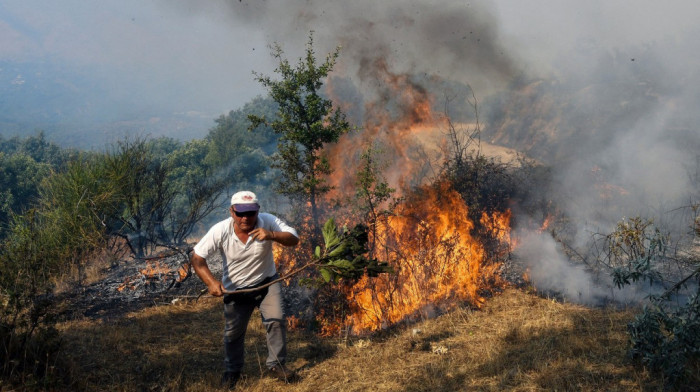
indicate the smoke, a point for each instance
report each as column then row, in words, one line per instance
column 397, row 59
column 598, row 92
column 622, row 141
column 452, row 40
column 552, row 273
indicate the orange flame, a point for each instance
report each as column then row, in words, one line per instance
column 155, row 270
column 546, row 223
column 401, row 123
column 435, row 259
column 428, row 240
column 606, row 190
column 498, row 224
column 126, row 285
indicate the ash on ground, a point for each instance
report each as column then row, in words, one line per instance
column 133, row 284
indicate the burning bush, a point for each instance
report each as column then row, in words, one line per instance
column 435, row 260
column 443, row 238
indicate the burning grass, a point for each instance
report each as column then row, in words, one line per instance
column 516, row 341
column 435, row 260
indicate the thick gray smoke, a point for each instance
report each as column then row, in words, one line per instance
column 450, row 40
column 614, row 116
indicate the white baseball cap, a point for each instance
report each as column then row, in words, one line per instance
column 245, row 201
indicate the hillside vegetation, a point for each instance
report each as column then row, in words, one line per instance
column 444, row 232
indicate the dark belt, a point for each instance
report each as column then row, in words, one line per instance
column 253, row 297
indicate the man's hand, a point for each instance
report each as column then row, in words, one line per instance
column 261, row 234
column 215, row 289
column 202, row 270
column 281, row 237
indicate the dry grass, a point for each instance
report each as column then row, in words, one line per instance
column 90, row 272
column 517, row 342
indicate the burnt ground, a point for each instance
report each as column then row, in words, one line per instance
column 133, row 284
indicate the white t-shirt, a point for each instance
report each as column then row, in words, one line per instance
column 243, row 264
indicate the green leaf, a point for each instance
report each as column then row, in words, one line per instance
column 343, row 264
column 326, row 274
column 337, row 251
column 330, row 233
column 317, row 252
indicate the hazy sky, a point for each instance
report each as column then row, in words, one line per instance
column 192, row 55
column 186, row 61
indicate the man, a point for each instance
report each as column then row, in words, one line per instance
column 244, row 242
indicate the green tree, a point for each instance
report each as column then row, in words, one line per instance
column 76, row 207
column 164, row 189
column 306, row 122
column 29, row 343
column 64, row 227
column 198, row 188
column 20, row 176
column 140, row 180
column 23, row 164
column 38, row 148
column 372, row 193
column 238, row 154
column 664, row 336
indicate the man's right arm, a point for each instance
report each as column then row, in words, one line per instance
column 202, row 270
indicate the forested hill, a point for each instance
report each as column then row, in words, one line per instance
column 36, row 169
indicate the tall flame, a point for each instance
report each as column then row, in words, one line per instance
column 401, row 122
column 436, row 262
column 428, row 238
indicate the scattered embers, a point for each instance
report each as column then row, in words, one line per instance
column 134, row 283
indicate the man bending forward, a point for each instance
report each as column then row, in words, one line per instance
column 244, row 242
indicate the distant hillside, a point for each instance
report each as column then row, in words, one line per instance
column 77, row 108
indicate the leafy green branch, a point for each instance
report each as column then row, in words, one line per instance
column 344, row 256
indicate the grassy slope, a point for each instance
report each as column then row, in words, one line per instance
column 517, row 341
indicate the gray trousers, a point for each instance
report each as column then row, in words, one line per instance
column 237, row 316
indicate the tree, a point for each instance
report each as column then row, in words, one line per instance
column 197, row 186
column 239, row 154
column 664, row 336
column 38, row 148
column 29, row 343
column 20, row 176
column 372, row 192
column 59, row 232
column 24, row 162
column 164, row 189
column 140, row 180
column 306, row 123
column 76, row 209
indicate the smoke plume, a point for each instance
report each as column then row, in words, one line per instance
column 616, row 121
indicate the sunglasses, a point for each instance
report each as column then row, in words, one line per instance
column 246, row 214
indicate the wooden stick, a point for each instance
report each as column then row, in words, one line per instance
column 268, row 284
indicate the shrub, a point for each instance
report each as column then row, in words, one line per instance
column 29, row 343
column 665, row 335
